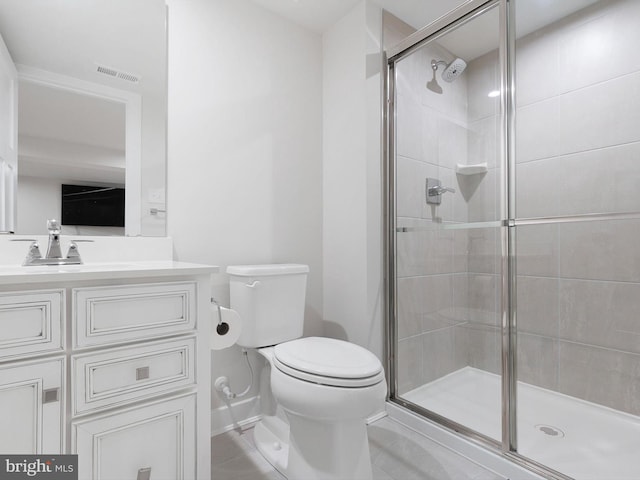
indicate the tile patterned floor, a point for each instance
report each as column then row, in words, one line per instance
column 397, row 453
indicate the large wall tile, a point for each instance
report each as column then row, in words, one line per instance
column 538, row 360
column 538, row 305
column 409, row 360
column 410, row 306
column 600, row 313
column 536, row 66
column 483, row 77
column 483, row 204
column 426, row 303
column 538, row 250
column 484, row 299
column 408, row 127
column 597, row 181
column 483, row 141
column 599, row 116
column 441, row 356
column 482, row 345
column 538, row 188
column 600, row 250
column 452, row 143
column 429, row 136
column 602, row 47
column 484, row 250
column 538, row 132
column 410, row 186
column 410, row 245
column 427, row 248
column 600, row 375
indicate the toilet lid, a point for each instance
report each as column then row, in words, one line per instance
column 329, row 362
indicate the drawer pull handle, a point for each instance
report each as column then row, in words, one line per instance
column 142, row 373
column 144, row 474
column 51, row 395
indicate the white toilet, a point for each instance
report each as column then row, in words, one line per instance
column 327, row 388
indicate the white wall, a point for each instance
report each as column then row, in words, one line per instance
column 245, row 148
column 352, row 178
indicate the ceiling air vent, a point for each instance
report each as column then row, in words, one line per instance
column 112, row 72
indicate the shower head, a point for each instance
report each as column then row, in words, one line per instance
column 449, row 74
column 454, row 70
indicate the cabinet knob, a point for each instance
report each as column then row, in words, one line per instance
column 144, row 474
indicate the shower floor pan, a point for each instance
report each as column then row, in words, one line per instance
column 581, row 439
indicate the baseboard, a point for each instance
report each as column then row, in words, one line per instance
column 244, row 413
column 376, row 416
column 247, row 412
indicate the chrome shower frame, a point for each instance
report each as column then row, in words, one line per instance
column 470, row 10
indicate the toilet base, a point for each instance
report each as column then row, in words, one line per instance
column 338, row 451
column 328, row 451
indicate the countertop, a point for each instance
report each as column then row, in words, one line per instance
column 98, row 271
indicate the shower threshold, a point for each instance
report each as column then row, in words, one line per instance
column 580, row 439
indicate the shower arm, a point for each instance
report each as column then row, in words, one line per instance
column 436, row 63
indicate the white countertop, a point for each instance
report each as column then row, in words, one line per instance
column 98, row 271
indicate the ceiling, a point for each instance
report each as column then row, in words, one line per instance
column 319, row 15
column 476, row 38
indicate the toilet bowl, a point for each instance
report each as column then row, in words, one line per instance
column 324, row 389
column 327, row 410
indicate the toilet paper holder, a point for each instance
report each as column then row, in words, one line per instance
column 223, row 327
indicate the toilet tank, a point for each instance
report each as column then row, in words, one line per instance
column 270, row 300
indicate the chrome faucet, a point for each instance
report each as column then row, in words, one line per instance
column 54, row 252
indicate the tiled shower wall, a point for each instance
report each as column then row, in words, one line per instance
column 577, row 152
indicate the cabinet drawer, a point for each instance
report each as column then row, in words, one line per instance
column 105, row 315
column 31, row 322
column 120, row 375
column 155, row 441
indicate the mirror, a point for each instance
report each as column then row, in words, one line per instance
column 92, row 104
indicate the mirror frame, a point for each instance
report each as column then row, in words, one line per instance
column 133, row 132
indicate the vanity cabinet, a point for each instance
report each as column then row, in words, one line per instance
column 111, row 365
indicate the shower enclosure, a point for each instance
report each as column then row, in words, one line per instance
column 513, row 230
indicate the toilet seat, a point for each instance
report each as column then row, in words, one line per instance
column 327, row 361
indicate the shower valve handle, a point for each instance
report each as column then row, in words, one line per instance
column 439, row 190
column 435, row 190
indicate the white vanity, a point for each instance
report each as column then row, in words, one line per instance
column 109, row 361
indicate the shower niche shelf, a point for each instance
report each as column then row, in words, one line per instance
column 473, row 169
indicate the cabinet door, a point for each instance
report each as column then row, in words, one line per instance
column 155, row 441
column 31, row 408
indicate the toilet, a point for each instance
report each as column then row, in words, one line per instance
column 317, row 392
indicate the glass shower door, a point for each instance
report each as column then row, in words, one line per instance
column 447, row 224
column 578, row 237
